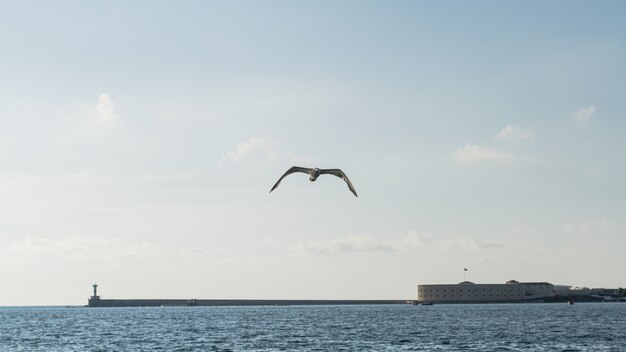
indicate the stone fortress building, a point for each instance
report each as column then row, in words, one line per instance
column 468, row 292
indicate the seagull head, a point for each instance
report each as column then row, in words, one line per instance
column 315, row 173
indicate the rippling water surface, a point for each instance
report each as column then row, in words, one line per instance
column 497, row 327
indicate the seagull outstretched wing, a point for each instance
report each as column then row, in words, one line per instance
column 341, row 175
column 289, row 172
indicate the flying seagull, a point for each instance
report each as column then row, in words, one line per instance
column 315, row 173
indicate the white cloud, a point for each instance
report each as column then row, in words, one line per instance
column 515, row 134
column 473, row 152
column 594, row 171
column 522, row 230
column 89, row 121
column 350, row 243
column 413, row 239
column 583, row 115
column 469, row 243
column 355, row 243
column 104, row 111
column 81, row 176
column 265, row 149
column 76, row 247
column 86, row 248
column 593, row 227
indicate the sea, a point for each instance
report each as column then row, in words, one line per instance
column 458, row 327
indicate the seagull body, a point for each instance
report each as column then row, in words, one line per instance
column 314, row 173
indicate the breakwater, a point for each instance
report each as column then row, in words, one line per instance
column 97, row 302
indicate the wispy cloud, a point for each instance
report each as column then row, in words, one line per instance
column 522, row 230
column 76, row 247
column 265, row 149
column 81, row 176
column 104, row 111
column 398, row 243
column 350, row 243
column 583, row 115
column 594, row 171
column 515, row 134
column 470, row 243
column 592, row 227
column 356, row 243
column 473, row 153
column 89, row 121
column 86, row 248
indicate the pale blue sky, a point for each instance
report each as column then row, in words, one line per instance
column 139, row 141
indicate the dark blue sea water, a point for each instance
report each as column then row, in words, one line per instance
column 488, row 327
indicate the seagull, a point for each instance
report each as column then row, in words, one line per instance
column 314, row 173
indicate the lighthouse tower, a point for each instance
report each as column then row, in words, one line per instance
column 94, row 301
